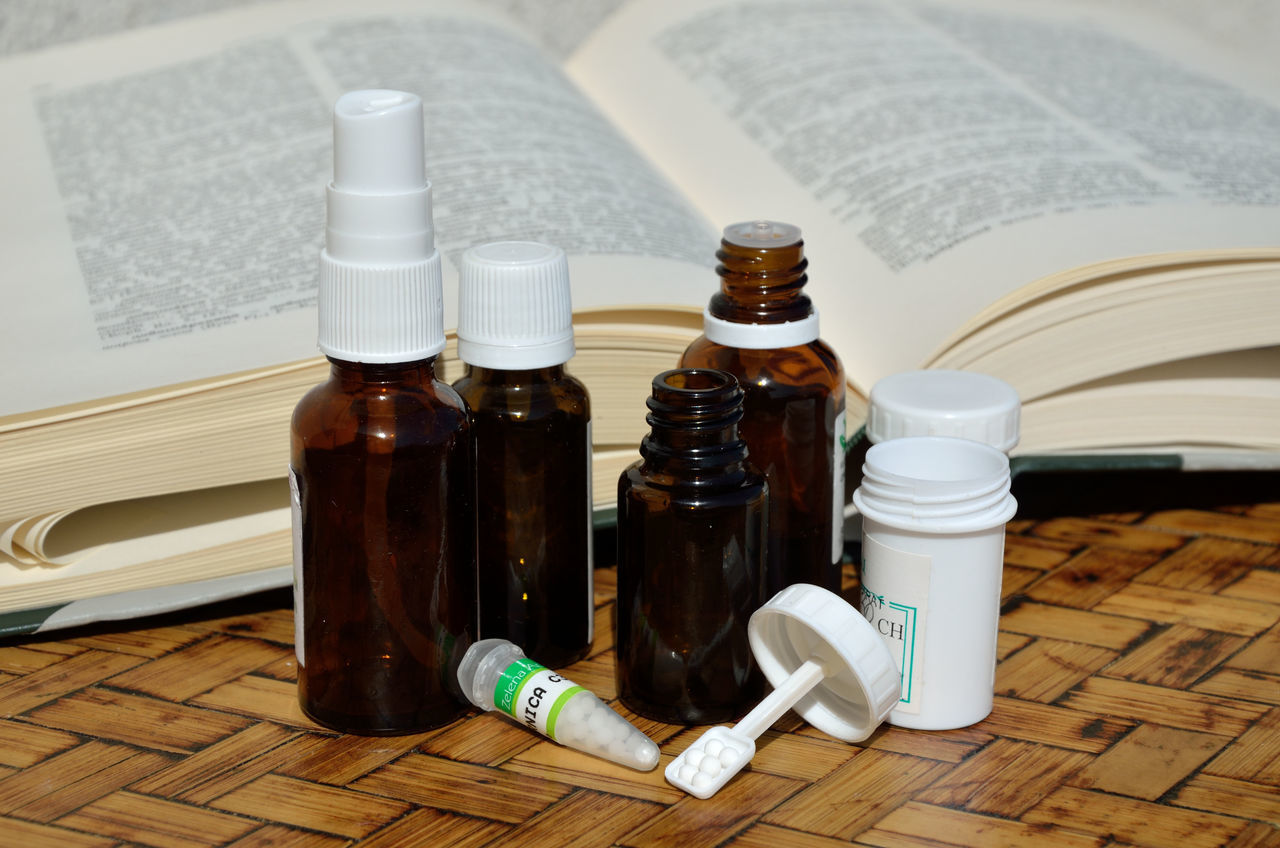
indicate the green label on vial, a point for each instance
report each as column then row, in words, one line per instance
column 511, row 681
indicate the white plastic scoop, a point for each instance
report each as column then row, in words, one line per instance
column 823, row 659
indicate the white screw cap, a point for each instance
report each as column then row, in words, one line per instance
column 514, row 306
column 862, row 683
column 937, row 402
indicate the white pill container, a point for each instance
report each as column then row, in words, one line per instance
column 934, row 510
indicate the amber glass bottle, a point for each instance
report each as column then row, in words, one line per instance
column 381, row 464
column 763, row 329
column 692, row 517
column 384, row 529
column 531, row 427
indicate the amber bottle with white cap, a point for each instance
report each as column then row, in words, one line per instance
column 384, row 555
column 762, row 328
column 531, row 428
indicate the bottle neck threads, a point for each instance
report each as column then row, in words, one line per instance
column 693, row 416
column 388, row 375
column 762, row 275
column 935, row 484
column 761, row 303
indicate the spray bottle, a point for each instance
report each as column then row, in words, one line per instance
column 381, row 470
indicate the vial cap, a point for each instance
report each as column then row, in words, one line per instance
column 762, row 233
column 514, row 306
column 862, row 683
column 937, row 402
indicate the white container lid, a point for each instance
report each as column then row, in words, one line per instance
column 862, row 683
column 936, row 402
column 514, row 306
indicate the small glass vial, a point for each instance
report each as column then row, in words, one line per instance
column 692, row 519
column 933, row 514
column 384, row 555
column 763, row 329
column 531, row 428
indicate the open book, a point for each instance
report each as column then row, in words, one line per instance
column 1086, row 204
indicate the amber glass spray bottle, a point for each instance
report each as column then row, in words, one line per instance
column 531, row 427
column 692, row 515
column 763, row 329
column 384, row 553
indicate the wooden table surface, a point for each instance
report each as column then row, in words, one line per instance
column 1138, row 703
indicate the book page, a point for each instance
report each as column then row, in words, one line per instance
column 941, row 155
column 34, row 24
column 559, row 27
column 1227, row 399
column 164, row 203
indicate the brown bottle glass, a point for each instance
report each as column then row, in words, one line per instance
column 692, row 516
column 794, row 396
column 532, row 443
column 382, row 465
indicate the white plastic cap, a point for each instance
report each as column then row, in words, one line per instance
column 962, row 404
column 514, row 306
column 760, row 336
column 862, row 683
column 380, row 294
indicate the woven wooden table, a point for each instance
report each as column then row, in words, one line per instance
column 1138, row 703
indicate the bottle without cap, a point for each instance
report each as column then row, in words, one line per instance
column 762, row 328
column 692, row 517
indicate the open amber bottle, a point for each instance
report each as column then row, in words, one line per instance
column 762, row 328
column 692, row 516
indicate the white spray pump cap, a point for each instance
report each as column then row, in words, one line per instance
column 381, row 295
